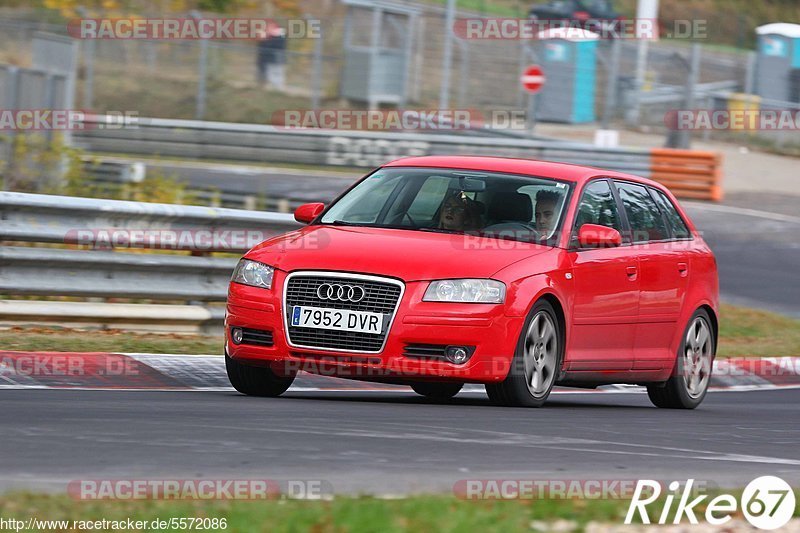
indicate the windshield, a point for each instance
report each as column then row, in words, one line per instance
column 454, row 201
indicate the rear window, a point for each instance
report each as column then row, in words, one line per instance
column 644, row 216
column 676, row 223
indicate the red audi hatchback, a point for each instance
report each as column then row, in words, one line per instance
column 438, row 271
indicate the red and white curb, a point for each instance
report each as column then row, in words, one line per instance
column 136, row 371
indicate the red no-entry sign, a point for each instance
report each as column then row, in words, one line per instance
column 533, row 78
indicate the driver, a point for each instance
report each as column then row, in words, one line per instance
column 459, row 213
column 546, row 204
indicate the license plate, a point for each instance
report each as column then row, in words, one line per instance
column 339, row 319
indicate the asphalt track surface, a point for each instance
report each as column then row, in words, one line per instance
column 396, row 442
column 755, row 241
column 391, row 442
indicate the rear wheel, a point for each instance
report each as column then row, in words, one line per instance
column 437, row 391
column 536, row 363
column 256, row 380
column 689, row 384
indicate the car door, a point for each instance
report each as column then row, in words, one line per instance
column 664, row 271
column 606, row 289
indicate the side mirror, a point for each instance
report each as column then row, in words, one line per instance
column 308, row 212
column 594, row 236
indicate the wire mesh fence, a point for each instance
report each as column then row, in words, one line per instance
column 219, row 80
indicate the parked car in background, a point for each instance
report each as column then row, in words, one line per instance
column 438, row 271
column 581, row 11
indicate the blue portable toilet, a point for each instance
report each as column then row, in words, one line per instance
column 778, row 64
column 568, row 57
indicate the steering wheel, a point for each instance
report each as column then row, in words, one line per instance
column 410, row 219
column 513, row 228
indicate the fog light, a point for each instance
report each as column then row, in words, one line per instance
column 236, row 335
column 457, row 354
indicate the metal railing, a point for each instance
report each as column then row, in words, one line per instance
column 367, row 149
column 250, row 142
column 94, row 232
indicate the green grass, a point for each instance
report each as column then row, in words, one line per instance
column 69, row 340
column 499, row 8
column 750, row 332
column 743, row 332
column 345, row 514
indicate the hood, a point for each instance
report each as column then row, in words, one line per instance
column 405, row 254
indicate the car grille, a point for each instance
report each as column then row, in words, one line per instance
column 379, row 297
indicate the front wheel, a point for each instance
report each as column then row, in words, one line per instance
column 437, row 391
column 536, row 363
column 689, row 384
column 256, row 380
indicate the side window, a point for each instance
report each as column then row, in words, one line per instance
column 676, row 223
column 644, row 217
column 597, row 207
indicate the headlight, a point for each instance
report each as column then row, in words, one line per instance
column 482, row 291
column 253, row 273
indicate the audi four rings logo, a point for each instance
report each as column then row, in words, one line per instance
column 342, row 293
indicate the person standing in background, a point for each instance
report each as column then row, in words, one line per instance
column 271, row 61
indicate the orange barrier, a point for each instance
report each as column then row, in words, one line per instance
column 687, row 173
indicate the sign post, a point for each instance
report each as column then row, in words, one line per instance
column 532, row 81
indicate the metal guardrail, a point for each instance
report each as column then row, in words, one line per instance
column 113, row 178
column 104, row 227
column 259, row 143
column 674, row 94
column 250, row 142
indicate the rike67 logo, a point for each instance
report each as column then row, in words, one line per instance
column 768, row 502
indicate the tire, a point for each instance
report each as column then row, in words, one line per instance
column 256, row 380
column 437, row 391
column 540, row 352
column 688, row 385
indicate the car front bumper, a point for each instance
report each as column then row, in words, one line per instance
column 483, row 327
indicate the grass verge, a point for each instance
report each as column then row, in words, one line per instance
column 750, row 332
column 70, row 340
column 743, row 332
column 352, row 514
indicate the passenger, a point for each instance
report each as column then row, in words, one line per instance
column 546, row 205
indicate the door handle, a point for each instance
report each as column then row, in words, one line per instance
column 683, row 268
column 632, row 271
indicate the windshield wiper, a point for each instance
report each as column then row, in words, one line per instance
column 392, row 226
column 366, row 224
column 438, row 230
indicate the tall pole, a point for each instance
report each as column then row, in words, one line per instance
column 316, row 74
column 610, row 107
column 447, row 60
column 685, row 136
column 200, row 104
column 645, row 10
